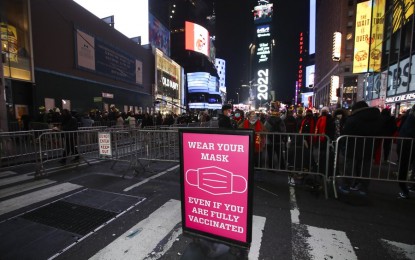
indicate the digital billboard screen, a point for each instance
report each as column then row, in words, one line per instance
column 197, row 38
column 263, row 13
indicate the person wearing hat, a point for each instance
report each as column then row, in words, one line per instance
column 224, row 119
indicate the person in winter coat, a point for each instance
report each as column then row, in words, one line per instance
column 308, row 126
column 406, row 151
column 253, row 122
column 224, row 120
column 69, row 124
column 363, row 121
column 388, row 129
column 324, row 128
column 275, row 142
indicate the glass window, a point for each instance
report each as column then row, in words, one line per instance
column 15, row 39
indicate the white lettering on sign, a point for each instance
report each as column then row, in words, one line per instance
column 169, row 83
column 410, row 96
column 400, row 77
column 262, row 88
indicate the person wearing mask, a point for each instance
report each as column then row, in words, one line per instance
column 253, row 122
column 363, row 121
column 224, row 119
column 406, row 151
column 238, row 117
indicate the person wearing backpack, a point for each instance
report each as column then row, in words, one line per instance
column 275, row 142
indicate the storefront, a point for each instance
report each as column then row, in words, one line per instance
column 169, row 89
column 17, row 63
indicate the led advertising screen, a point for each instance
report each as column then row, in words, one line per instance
column 378, row 22
column 263, row 60
column 216, row 184
column 197, row 38
column 362, row 37
column 159, row 35
column 263, row 13
column 198, row 82
column 309, row 76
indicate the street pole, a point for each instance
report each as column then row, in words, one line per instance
column 3, row 110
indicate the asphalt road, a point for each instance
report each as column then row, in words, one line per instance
column 90, row 212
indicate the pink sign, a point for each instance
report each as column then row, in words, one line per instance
column 215, row 184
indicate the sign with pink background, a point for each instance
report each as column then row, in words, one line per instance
column 215, row 190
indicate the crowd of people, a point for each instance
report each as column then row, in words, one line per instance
column 114, row 117
column 361, row 120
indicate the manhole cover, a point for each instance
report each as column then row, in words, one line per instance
column 70, row 217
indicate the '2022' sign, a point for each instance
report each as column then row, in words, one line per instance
column 262, row 89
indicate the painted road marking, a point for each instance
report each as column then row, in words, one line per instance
column 35, row 197
column 143, row 238
column 15, row 179
column 150, row 178
column 322, row 243
column 24, row 187
column 7, row 173
column 329, row 244
column 258, row 224
column 400, row 248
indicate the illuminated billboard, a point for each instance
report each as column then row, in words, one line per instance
column 159, row 35
column 263, row 12
column 263, row 60
column 402, row 16
column 197, row 38
column 362, row 37
column 309, row 76
column 378, row 24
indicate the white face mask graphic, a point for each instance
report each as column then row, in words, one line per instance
column 216, row 181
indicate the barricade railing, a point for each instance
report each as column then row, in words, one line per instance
column 361, row 159
column 299, row 155
column 19, row 148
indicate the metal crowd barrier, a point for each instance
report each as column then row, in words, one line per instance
column 302, row 156
column 19, row 148
column 365, row 158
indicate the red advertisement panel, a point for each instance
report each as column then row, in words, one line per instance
column 216, row 193
column 197, row 38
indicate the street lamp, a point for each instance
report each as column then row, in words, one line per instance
column 238, row 96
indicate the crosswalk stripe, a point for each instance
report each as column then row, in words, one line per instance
column 258, row 224
column 400, row 248
column 140, row 240
column 36, row 196
column 15, row 179
column 24, row 187
column 7, row 173
column 329, row 244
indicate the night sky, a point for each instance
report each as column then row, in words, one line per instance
column 235, row 31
